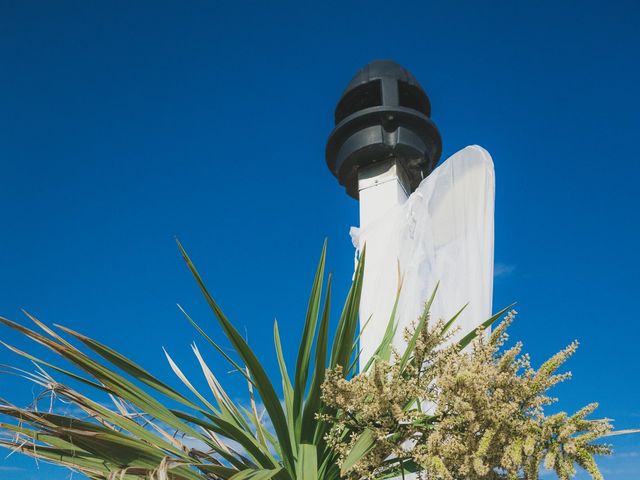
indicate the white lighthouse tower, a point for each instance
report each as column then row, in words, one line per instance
column 423, row 224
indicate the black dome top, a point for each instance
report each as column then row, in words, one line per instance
column 382, row 83
column 379, row 69
column 383, row 114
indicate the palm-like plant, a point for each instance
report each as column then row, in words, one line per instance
column 140, row 436
column 215, row 438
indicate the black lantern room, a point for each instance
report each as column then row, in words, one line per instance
column 384, row 114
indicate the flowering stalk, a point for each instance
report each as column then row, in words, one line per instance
column 451, row 413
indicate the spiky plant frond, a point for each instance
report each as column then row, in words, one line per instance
column 206, row 435
column 152, row 430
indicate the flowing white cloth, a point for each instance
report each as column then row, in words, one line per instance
column 442, row 233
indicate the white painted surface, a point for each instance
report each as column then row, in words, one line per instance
column 443, row 232
column 381, row 187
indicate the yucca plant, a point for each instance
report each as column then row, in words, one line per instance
column 140, row 436
column 152, row 430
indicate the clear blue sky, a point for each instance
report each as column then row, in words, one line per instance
column 125, row 124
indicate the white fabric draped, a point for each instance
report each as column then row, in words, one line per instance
column 442, row 233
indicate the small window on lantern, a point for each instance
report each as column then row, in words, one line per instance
column 363, row 96
column 411, row 96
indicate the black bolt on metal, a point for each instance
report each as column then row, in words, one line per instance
column 383, row 114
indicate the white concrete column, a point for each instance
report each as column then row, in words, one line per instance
column 381, row 186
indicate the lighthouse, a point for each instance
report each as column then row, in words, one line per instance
column 423, row 224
